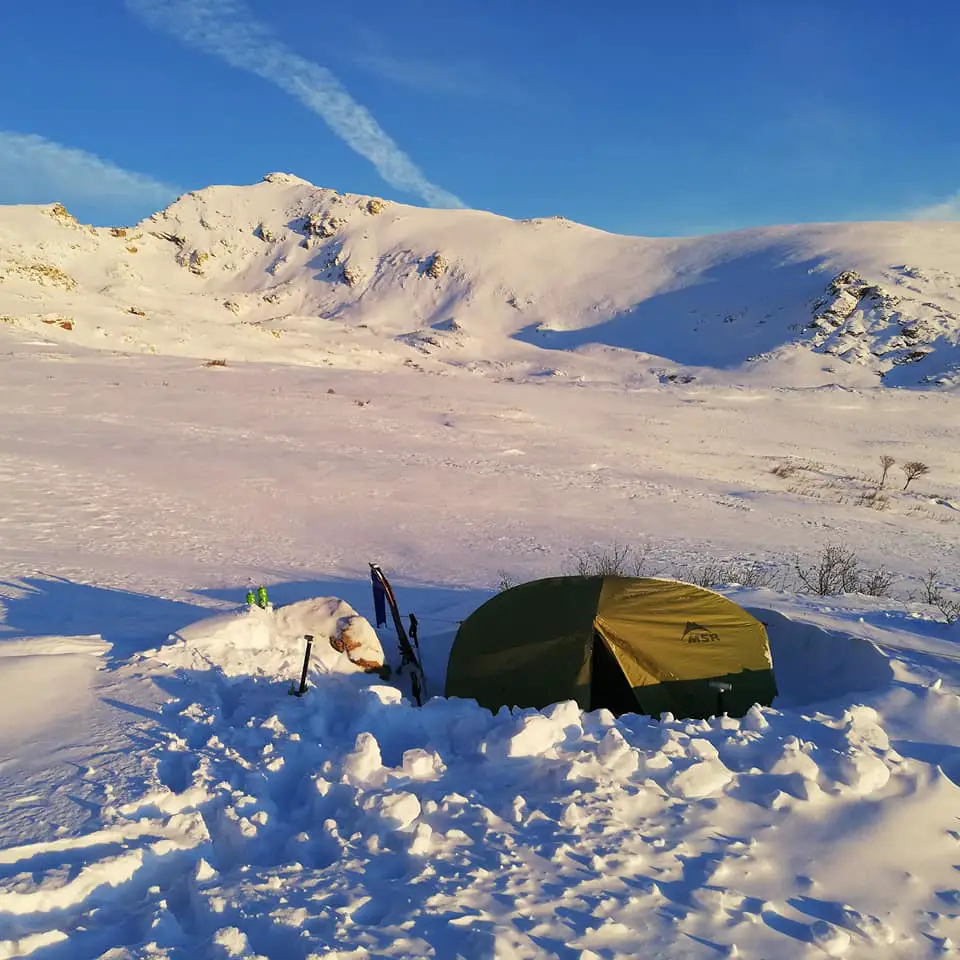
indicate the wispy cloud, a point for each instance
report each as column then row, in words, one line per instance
column 36, row 170
column 226, row 29
column 467, row 80
column 948, row 209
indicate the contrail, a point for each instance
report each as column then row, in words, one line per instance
column 226, row 29
column 36, row 170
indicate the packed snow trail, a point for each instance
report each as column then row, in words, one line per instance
column 349, row 823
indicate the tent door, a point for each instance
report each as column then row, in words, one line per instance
column 609, row 687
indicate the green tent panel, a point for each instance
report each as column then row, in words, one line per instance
column 639, row 645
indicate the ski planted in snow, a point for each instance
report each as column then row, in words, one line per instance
column 383, row 596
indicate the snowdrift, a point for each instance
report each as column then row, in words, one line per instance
column 812, row 664
column 270, row 642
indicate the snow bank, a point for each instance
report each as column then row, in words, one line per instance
column 812, row 664
column 270, row 642
column 46, row 688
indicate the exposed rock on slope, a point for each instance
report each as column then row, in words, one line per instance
column 867, row 324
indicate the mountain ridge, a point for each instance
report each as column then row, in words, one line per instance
column 295, row 273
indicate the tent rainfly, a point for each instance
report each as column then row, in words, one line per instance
column 631, row 645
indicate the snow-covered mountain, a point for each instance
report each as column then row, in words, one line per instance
column 288, row 272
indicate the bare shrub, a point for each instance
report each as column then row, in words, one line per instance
column 617, row 560
column 836, row 570
column 913, row 469
column 934, row 595
column 784, row 470
column 215, row 363
column 743, row 573
column 930, row 585
column 505, row 581
column 949, row 609
column 886, row 462
column 877, row 583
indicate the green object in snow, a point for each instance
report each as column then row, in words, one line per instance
column 251, row 599
column 262, row 597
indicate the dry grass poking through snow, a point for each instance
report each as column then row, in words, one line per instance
column 813, row 480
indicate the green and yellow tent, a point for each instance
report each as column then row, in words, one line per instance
column 631, row 645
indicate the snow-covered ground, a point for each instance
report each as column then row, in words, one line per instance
column 161, row 794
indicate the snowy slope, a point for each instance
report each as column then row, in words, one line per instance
column 289, row 272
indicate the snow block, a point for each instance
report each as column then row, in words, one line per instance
column 704, row 778
column 399, row 810
column 364, row 765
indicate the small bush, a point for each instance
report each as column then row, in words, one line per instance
column 617, row 560
column 949, row 609
column 877, row 583
column 930, row 585
column 913, row 469
column 215, row 363
column 934, row 595
column 743, row 573
column 784, row 470
column 836, row 570
column 505, row 581
column 886, row 462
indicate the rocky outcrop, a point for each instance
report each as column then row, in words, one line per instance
column 352, row 275
column 319, row 226
column 437, row 266
column 60, row 213
column 193, row 260
column 864, row 323
column 46, row 274
column 285, row 178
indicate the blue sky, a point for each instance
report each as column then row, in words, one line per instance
column 633, row 116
